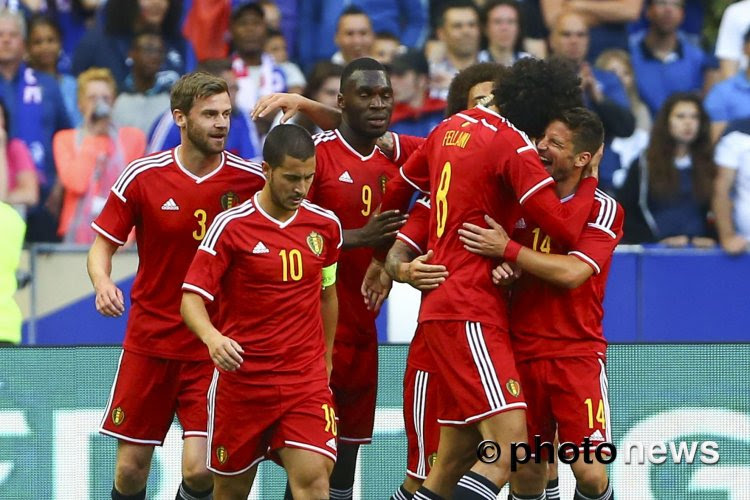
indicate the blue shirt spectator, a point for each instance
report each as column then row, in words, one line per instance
column 683, row 70
column 729, row 100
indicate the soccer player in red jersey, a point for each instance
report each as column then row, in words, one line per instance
column 350, row 179
column 560, row 354
column 478, row 163
column 269, row 393
column 170, row 198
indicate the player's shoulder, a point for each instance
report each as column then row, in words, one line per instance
column 240, row 164
column 138, row 169
column 325, row 139
column 225, row 222
column 606, row 213
column 325, row 216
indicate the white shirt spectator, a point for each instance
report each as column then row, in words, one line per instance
column 734, row 24
column 733, row 151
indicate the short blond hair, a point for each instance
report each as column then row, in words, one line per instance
column 195, row 85
column 94, row 75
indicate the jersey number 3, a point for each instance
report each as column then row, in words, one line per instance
column 201, row 216
column 441, row 198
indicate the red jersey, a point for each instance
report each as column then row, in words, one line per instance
column 472, row 164
column 415, row 232
column 269, row 275
column 171, row 210
column 351, row 185
column 549, row 321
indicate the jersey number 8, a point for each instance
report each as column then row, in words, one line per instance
column 441, row 198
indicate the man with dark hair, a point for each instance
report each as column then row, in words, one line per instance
column 354, row 36
column 465, row 320
column 170, row 198
column 473, row 85
column 271, row 251
column 458, row 29
column 414, row 112
column 561, row 354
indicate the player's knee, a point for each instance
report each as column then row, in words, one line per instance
column 131, row 475
column 412, row 484
column 592, row 480
column 197, row 476
column 528, row 479
column 314, row 479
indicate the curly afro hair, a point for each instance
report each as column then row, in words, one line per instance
column 533, row 92
column 458, row 92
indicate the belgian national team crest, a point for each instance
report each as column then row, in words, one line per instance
column 229, row 200
column 221, row 454
column 315, row 242
column 383, row 180
column 118, row 416
column 514, row 388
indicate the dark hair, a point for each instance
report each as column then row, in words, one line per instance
column 458, row 92
column 516, row 6
column 247, row 7
column 663, row 176
column 272, row 32
column 387, row 35
column 587, row 129
column 534, row 91
column 361, row 64
column 192, row 86
column 43, row 20
column 146, row 31
column 321, row 72
column 120, row 17
column 287, row 140
column 352, row 10
column 457, row 4
column 215, row 66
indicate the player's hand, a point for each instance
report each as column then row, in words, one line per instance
column 289, row 104
column 225, row 352
column 592, row 169
column 487, row 242
column 734, row 245
column 109, row 300
column 385, row 143
column 679, row 241
column 505, row 274
column 376, row 286
column 424, row 276
column 381, row 229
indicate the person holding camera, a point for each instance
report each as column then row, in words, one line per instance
column 91, row 157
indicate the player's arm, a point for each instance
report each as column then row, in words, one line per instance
column 109, row 299
column 329, row 311
column 404, row 265
column 225, row 352
column 730, row 241
column 323, row 116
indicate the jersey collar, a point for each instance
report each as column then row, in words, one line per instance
column 187, row 172
column 354, row 151
column 281, row 225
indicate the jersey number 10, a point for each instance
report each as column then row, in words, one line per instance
column 291, row 265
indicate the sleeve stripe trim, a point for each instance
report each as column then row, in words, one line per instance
column 467, row 118
column 248, row 167
column 534, row 189
column 397, row 147
column 412, row 184
column 220, row 222
column 198, row 290
column 325, row 213
column 106, row 234
column 137, row 166
column 607, row 209
column 523, row 149
column 605, row 229
column 425, row 202
column 410, row 242
column 488, row 125
column 588, row 260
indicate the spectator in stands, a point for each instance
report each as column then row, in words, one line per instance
column 602, row 91
column 91, row 157
column 729, row 42
column 606, row 20
column 36, row 111
column 145, row 92
column 731, row 202
column 503, row 31
column 692, row 24
column 108, row 43
column 43, row 48
column 11, row 245
column 257, row 73
column 458, row 30
column 414, row 111
column 628, row 148
column 243, row 139
column 385, row 47
column 276, row 46
column 534, row 30
column 667, row 193
column 664, row 60
column 323, row 84
column 271, row 14
column 729, row 100
column 18, row 180
column 354, row 36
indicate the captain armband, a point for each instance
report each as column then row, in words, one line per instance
column 329, row 275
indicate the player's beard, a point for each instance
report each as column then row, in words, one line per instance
column 202, row 142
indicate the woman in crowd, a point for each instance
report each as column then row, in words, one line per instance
column 90, row 157
column 667, row 192
column 19, row 185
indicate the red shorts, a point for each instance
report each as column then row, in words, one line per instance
column 354, row 383
column 476, row 372
column 148, row 391
column 568, row 395
column 247, row 423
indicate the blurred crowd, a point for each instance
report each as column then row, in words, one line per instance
column 84, row 90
